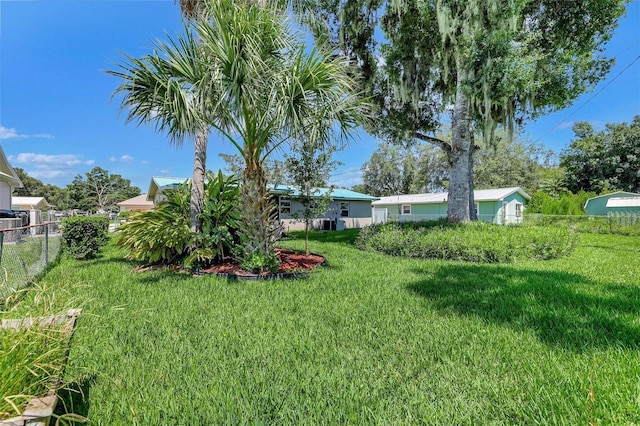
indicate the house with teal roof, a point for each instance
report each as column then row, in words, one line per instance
column 347, row 209
column 159, row 184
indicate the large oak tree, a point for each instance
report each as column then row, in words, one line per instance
column 485, row 62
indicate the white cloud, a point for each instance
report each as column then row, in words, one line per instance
column 7, row 133
column 11, row 133
column 43, row 160
column 43, row 166
column 124, row 158
column 49, row 174
column 164, row 171
column 43, row 136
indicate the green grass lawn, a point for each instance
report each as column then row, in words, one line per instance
column 369, row 339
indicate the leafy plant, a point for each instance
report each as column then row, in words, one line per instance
column 126, row 214
column 83, row 236
column 259, row 262
column 163, row 235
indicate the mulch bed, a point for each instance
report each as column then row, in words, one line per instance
column 291, row 264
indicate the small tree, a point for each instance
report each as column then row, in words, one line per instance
column 308, row 169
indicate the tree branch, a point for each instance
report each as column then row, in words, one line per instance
column 438, row 142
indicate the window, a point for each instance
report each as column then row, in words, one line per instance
column 285, row 206
column 344, row 209
column 406, row 209
column 518, row 210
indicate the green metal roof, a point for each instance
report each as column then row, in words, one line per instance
column 169, row 181
column 160, row 183
column 336, row 193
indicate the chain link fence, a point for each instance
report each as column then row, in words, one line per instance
column 621, row 224
column 25, row 253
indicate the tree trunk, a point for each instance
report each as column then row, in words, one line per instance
column 258, row 212
column 196, row 206
column 460, row 158
column 472, row 201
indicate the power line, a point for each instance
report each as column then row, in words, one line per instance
column 591, row 98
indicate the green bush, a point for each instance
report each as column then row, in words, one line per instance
column 259, row 262
column 163, row 235
column 564, row 204
column 474, row 242
column 126, row 215
column 83, row 236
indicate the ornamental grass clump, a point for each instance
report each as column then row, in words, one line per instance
column 473, row 242
column 33, row 353
column 31, row 361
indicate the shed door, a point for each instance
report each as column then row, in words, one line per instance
column 379, row 215
column 513, row 212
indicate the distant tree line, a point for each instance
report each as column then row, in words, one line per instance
column 595, row 162
column 97, row 190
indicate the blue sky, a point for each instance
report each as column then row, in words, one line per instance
column 57, row 119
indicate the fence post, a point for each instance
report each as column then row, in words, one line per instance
column 46, row 244
column 1, row 245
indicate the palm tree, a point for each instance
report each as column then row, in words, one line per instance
column 190, row 9
column 243, row 73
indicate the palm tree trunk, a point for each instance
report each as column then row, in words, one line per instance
column 196, row 206
column 257, row 210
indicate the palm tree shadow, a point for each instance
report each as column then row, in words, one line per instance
column 562, row 309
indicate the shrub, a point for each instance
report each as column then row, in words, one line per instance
column 163, row 235
column 474, row 242
column 126, row 214
column 83, row 236
column 259, row 262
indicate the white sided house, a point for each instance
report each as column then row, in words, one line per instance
column 30, row 203
column 137, row 203
column 500, row 205
column 9, row 181
column 35, row 206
